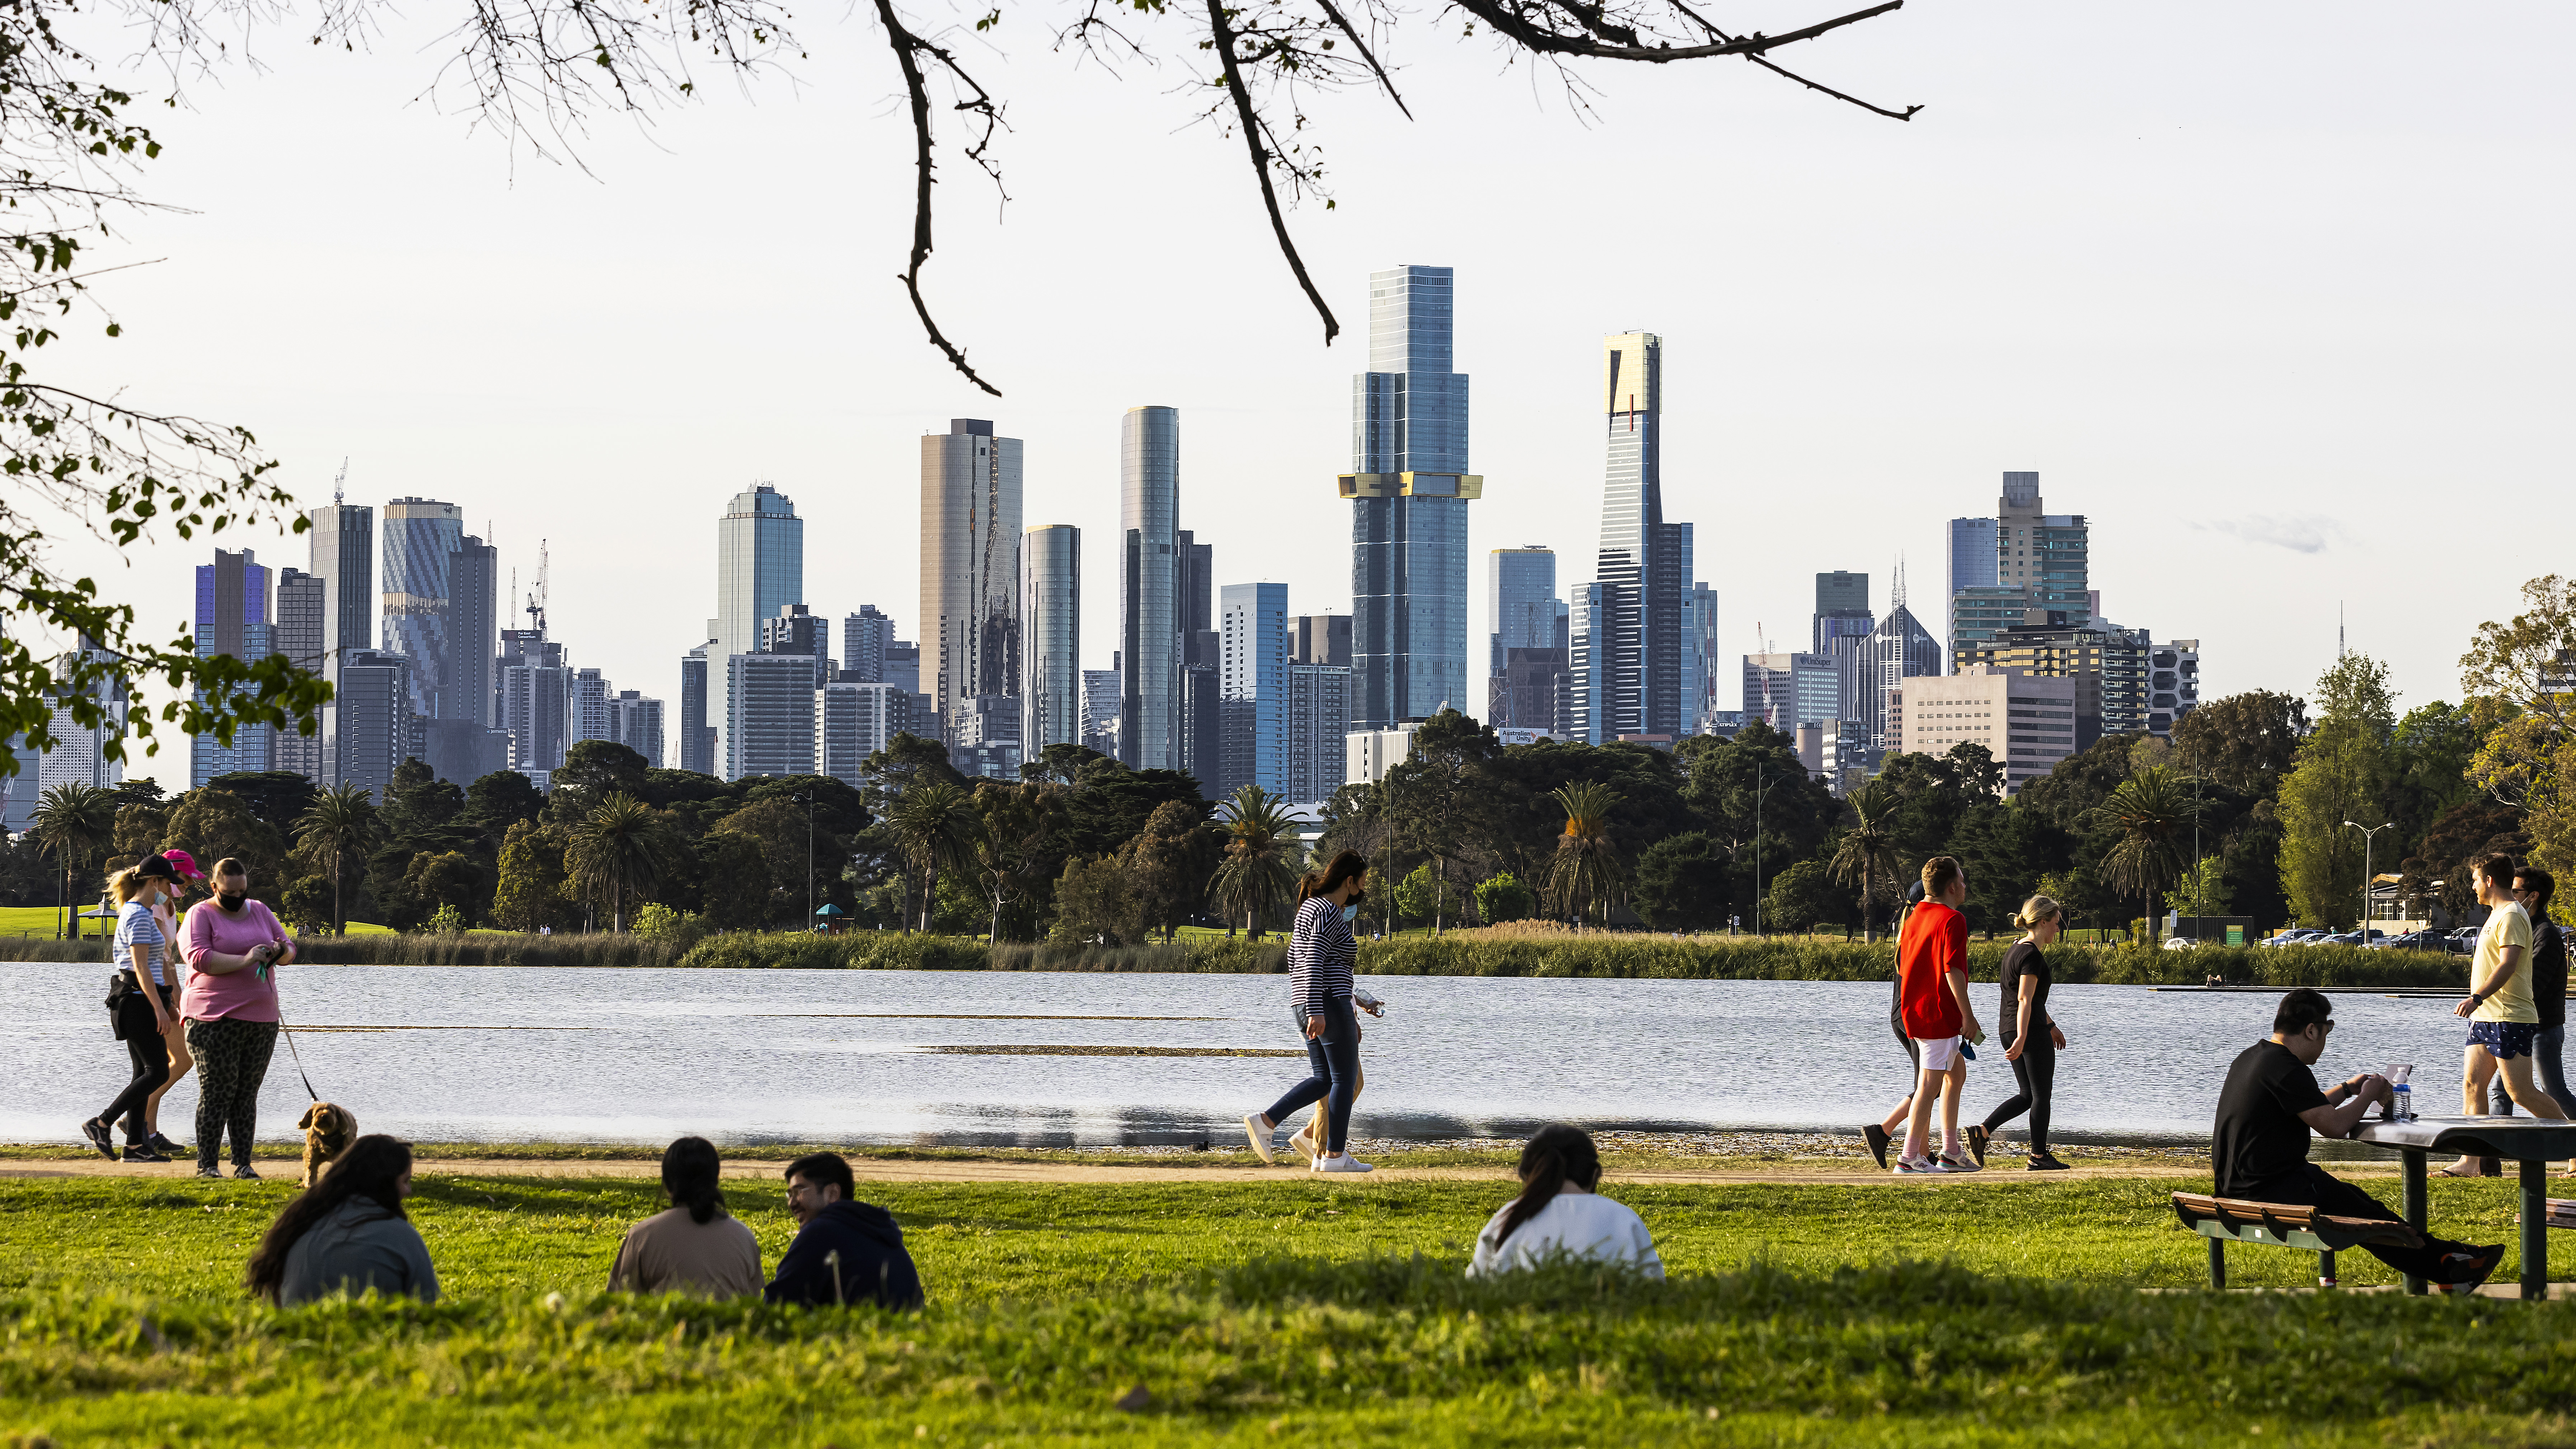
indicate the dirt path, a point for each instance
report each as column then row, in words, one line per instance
column 987, row 1170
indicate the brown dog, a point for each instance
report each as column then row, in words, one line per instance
column 328, row 1128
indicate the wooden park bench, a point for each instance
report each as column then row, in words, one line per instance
column 2225, row 1220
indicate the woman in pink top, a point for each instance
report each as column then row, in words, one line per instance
column 233, row 947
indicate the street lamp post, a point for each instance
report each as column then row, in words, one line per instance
column 2368, row 832
column 1759, row 790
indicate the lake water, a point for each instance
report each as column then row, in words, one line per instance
column 499, row 1054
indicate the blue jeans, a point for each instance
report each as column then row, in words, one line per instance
column 2547, row 1071
column 1334, row 1061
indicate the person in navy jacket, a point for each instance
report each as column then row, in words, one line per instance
column 846, row 1252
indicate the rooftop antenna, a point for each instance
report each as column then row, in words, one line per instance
column 1897, row 598
column 340, row 484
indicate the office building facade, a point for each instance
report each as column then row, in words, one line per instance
column 1149, row 587
column 865, row 637
column 697, row 737
column 1629, row 679
column 462, row 744
column 232, row 619
column 1972, row 555
column 1203, row 713
column 853, row 720
column 592, row 712
column 343, row 555
column 421, row 539
column 377, row 724
column 2050, row 553
column 635, row 721
column 760, row 569
column 1521, row 605
column 769, row 715
column 297, row 634
column 533, row 699
column 1900, row 650
column 1409, row 489
column 970, row 575
column 2025, row 721
column 1704, row 667
column 796, row 629
column 1785, row 691
column 1101, row 690
column 1252, row 625
column 1051, row 700
column 1320, row 639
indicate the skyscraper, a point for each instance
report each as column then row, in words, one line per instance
column 344, row 559
column 1409, row 488
column 769, row 722
column 1100, row 702
column 2050, row 552
column 760, row 569
column 854, row 719
column 1785, row 691
column 1703, row 666
column 593, row 713
column 232, row 619
column 1631, row 679
column 297, row 634
column 1318, row 718
column 970, row 575
column 1521, row 603
column 1149, row 588
column 795, row 629
column 1197, row 607
column 1051, row 623
column 1320, row 639
column 1841, row 628
column 697, row 737
column 463, row 744
column 1900, row 650
column 376, row 728
column 1972, row 555
column 533, row 698
column 636, row 723
column 421, row 540
column 865, row 636
column 1252, row 683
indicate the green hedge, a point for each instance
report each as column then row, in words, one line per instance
column 480, row 948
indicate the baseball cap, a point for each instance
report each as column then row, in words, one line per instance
column 158, row 867
column 186, row 863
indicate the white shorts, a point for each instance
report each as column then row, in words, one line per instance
column 1940, row 1053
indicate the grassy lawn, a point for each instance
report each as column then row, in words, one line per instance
column 46, row 920
column 1278, row 1311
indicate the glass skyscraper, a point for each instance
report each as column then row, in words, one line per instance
column 1149, row 588
column 2049, row 552
column 760, row 569
column 232, row 618
column 1051, row 638
column 344, row 558
column 970, row 581
column 1409, row 488
column 1632, row 679
column 421, row 540
column 1252, row 673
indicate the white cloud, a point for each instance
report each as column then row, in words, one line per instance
column 2301, row 533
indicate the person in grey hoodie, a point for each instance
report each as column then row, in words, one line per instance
column 347, row 1233
column 845, row 1252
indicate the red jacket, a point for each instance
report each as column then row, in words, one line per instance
column 1933, row 944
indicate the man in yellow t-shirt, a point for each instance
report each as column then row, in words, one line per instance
column 2503, row 1018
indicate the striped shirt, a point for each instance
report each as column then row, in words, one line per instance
column 1320, row 957
column 136, row 927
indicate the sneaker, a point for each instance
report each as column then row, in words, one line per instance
column 1959, row 1164
column 1304, row 1141
column 1260, row 1136
column 2047, row 1162
column 1340, row 1162
column 244, row 1171
column 163, row 1145
column 207, row 1169
column 1977, row 1135
column 1912, row 1166
column 2474, row 1267
column 142, row 1152
column 1877, row 1138
column 96, row 1131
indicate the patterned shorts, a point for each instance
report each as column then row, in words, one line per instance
column 2504, row 1040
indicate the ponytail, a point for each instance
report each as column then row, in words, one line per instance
column 1328, row 880
column 1555, row 1157
column 690, row 1170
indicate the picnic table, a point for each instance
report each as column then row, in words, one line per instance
column 2530, row 1141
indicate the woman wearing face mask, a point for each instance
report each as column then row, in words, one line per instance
column 1320, row 957
column 145, row 1007
column 233, row 947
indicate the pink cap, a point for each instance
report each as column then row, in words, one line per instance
column 187, row 864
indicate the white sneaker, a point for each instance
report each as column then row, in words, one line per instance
column 1340, row 1162
column 1959, row 1164
column 1914, row 1166
column 1260, row 1136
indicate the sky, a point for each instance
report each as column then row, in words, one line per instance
column 2275, row 296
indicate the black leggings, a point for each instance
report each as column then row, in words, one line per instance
column 150, row 1053
column 1334, row 1060
column 2034, row 1075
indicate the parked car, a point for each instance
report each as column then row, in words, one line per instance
column 2298, row 937
column 2421, row 941
column 2179, row 943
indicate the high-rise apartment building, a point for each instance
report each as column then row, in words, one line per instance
column 420, row 542
column 854, row 719
column 1972, row 555
column 593, row 710
column 1703, row 666
column 1630, row 677
column 1051, row 702
column 636, row 722
column 865, row 636
column 343, row 542
column 2049, row 552
column 297, row 634
column 1520, row 600
column 1409, row 489
column 532, row 701
column 79, row 755
column 2173, row 683
column 970, row 578
column 697, row 737
column 760, row 569
column 769, row 715
column 2025, row 721
column 1150, row 615
column 795, row 629
column 1101, row 692
column 232, row 619
column 1252, row 675
column 903, row 670
column 378, row 728
column 1197, row 600
column 1317, row 717
column 1203, row 717
column 463, row 744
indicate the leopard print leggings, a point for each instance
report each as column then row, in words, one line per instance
column 232, row 1060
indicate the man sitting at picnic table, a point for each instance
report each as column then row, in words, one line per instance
column 2259, row 1149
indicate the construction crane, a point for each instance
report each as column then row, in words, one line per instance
column 340, row 484
column 537, row 596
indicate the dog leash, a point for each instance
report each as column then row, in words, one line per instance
column 298, row 1056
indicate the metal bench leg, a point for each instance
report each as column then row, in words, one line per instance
column 2218, row 1262
column 2415, row 1208
column 2325, row 1269
column 2535, row 1229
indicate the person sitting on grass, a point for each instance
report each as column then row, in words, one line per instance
column 845, row 1251
column 1559, row 1215
column 2259, row 1148
column 695, row 1247
column 347, row 1233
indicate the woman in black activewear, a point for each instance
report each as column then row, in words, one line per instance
column 2031, row 1038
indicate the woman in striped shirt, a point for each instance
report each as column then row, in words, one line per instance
column 1320, row 957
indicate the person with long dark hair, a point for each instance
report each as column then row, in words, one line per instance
column 694, row 1247
column 147, row 1004
column 1321, row 955
column 2031, row 1037
column 347, row 1233
column 1561, row 1214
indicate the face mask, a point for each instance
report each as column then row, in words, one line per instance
column 1351, row 912
column 230, row 901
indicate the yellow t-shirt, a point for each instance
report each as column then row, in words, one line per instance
column 2508, row 926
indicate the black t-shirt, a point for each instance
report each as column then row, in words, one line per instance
column 2024, row 959
column 2549, row 975
column 2259, row 1135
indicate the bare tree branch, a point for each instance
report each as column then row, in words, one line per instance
column 1605, row 39
column 1221, row 28
column 908, row 48
column 1366, row 54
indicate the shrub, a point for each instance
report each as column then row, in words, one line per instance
column 1504, row 899
column 447, row 920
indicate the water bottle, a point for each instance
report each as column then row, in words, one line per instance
column 2401, row 1098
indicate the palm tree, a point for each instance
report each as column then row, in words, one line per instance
column 936, row 823
column 1868, row 850
column 1585, row 875
column 623, row 846
column 340, row 819
column 2151, row 811
column 75, row 822
column 1259, row 873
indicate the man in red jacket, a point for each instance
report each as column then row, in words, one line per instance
column 1932, row 983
